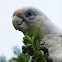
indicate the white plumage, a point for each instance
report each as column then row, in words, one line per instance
column 29, row 19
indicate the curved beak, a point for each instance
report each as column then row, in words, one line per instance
column 19, row 23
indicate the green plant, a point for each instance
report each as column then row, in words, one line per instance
column 31, row 50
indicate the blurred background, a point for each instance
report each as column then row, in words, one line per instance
column 9, row 37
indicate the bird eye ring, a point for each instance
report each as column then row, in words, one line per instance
column 30, row 15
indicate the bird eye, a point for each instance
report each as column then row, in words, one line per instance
column 30, row 15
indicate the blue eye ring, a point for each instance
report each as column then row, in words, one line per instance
column 30, row 15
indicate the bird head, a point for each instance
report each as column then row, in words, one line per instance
column 29, row 19
column 26, row 19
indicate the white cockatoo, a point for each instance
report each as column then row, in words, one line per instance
column 29, row 19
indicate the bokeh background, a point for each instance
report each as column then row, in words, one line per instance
column 9, row 37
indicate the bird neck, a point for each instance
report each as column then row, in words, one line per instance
column 49, row 28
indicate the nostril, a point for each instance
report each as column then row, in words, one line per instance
column 19, row 13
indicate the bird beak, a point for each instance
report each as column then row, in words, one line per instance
column 19, row 22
